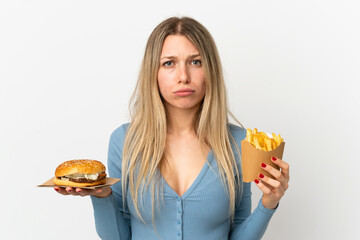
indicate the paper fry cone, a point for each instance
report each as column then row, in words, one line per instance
column 252, row 158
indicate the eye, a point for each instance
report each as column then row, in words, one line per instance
column 168, row 63
column 196, row 62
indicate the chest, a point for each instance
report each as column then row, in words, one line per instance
column 182, row 163
column 205, row 201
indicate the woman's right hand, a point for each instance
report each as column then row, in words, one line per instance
column 99, row 192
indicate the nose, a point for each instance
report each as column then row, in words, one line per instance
column 183, row 74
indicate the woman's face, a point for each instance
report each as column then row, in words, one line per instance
column 181, row 77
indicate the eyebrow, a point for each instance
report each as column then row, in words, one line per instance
column 190, row 56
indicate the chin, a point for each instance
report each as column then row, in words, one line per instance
column 184, row 106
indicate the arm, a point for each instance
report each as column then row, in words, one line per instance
column 112, row 219
column 253, row 226
column 246, row 225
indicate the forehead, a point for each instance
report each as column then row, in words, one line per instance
column 178, row 44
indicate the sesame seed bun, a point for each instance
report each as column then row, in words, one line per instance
column 64, row 173
column 83, row 166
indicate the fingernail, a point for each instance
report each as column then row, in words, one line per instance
column 78, row 190
column 56, row 189
column 263, row 165
column 256, row 181
column 261, row 175
column 273, row 158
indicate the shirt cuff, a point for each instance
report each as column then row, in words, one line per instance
column 97, row 200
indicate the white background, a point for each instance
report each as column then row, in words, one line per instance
column 68, row 68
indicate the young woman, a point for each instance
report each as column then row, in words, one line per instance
column 179, row 157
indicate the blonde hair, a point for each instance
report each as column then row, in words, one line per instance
column 145, row 141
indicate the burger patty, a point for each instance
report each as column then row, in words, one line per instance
column 84, row 180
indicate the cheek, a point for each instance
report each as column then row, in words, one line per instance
column 202, row 83
column 203, row 92
column 162, row 83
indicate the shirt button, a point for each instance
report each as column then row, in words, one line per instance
column 178, row 199
column 179, row 211
column 179, row 234
column 178, row 221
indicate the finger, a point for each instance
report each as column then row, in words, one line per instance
column 71, row 190
column 99, row 190
column 276, row 174
column 86, row 192
column 61, row 190
column 275, row 185
column 267, row 185
column 285, row 168
column 266, row 190
column 82, row 192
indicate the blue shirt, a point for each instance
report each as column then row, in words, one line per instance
column 202, row 212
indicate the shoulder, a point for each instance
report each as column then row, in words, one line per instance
column 118, row 135
column 120, row 131
column 237, row 132
column 115, row 150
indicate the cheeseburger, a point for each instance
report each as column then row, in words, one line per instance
column 80, row 173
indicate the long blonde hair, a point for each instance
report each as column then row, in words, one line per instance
column 145, row 141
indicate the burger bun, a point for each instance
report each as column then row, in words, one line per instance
column 76, row 184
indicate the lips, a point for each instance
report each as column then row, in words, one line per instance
column 184, row 92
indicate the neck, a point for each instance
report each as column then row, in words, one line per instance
column 181, row 121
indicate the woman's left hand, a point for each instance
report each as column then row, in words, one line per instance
column 273, row 189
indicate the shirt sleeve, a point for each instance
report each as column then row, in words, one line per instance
column 246, row 225
column 112, row 218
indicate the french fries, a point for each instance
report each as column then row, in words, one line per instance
column 261, row 141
